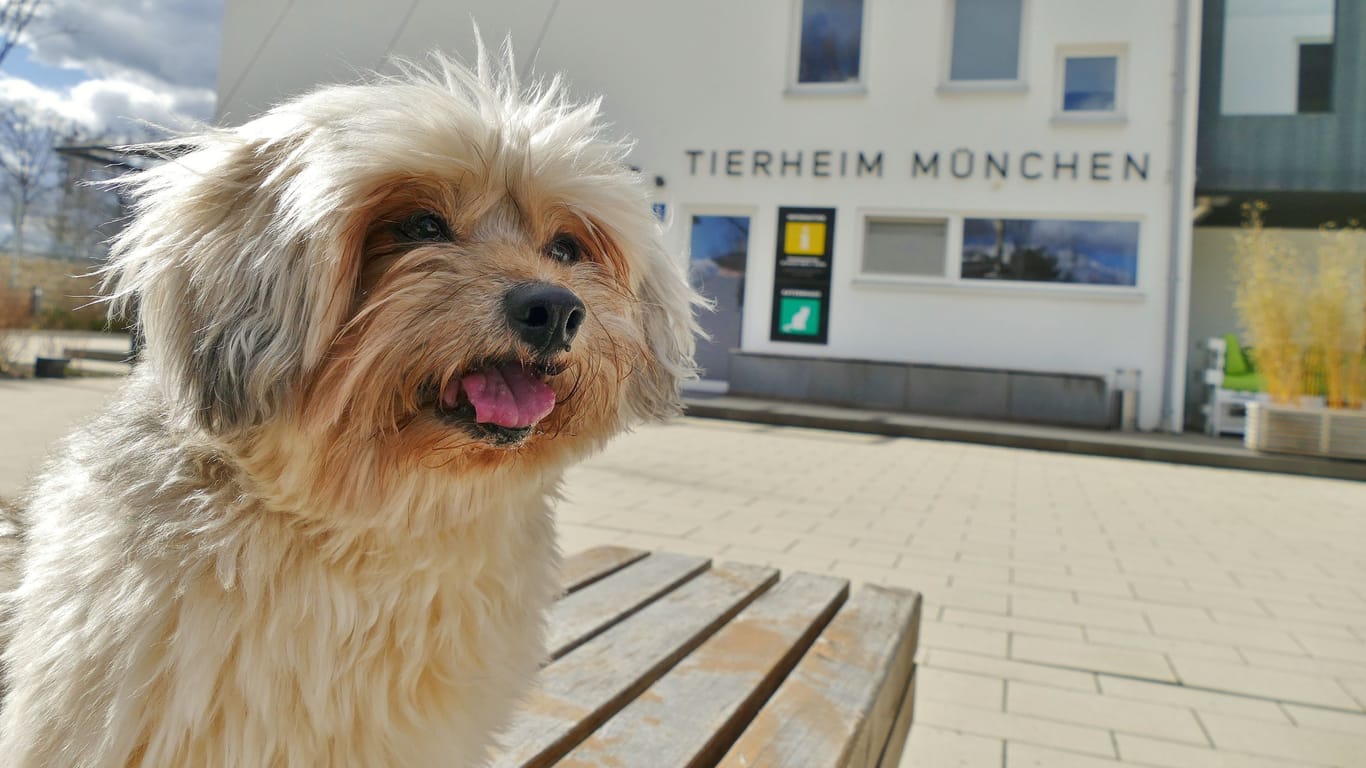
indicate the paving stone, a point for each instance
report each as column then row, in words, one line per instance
column 1098, row 658
column 1266, row 683
column 1163, row 721
column 1009, row 670
column 1020, row 755
column 1163, row 644
column 973, row 690
column 1013, row 727
column 1016, row 624
column 1193, row 699
column 1284, row 741
column 1327, row 720
column 948, row 748
column 1063, row 610
column 985, row 642
column 1142, row 750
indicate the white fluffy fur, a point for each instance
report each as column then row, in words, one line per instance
column 173, row 603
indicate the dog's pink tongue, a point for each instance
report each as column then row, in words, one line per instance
column 509, row 396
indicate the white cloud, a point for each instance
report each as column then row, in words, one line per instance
column 173, row 41
column 113, row 107
column 148, row 61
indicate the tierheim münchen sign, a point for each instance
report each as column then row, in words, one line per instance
column 961, row 163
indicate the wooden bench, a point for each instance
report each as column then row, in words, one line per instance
column 102, row 355
column 660, row 660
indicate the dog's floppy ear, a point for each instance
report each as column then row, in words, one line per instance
column 219, row 265
column 667, row 302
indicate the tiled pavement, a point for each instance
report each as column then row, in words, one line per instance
column 1080, row 611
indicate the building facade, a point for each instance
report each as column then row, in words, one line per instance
column 966, row 207
column 1283, row 122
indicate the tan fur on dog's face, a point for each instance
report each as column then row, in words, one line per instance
column 293, row 323
column 429, row 312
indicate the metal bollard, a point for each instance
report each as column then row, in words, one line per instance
column 1126, row 390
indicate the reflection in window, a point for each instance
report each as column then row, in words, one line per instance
column 1051, row 251
column 832, row 32
column 1089, row 83
column 915, row 248
column 1278, row 57
column 986, row 40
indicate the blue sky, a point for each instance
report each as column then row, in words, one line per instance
column 111, row 66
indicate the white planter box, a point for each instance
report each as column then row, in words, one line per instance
column 1307, row 430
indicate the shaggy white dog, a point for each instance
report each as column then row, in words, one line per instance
column 315, row 527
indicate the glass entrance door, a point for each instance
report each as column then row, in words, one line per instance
column 720, row 246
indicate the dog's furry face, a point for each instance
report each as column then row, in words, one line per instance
column 331, row 283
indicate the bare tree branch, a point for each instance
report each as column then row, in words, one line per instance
column 15, row 16
column 27, row 165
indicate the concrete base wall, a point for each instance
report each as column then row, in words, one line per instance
column 1047, row 398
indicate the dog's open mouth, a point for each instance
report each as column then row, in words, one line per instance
column 499, row 402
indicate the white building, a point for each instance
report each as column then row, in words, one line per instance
column 992, row 197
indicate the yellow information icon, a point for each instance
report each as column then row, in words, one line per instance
column 805, row 238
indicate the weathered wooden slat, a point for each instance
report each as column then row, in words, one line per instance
column 838, row 705
column 584, row 568
column 901, row 728
column 594, row 681
column 693, row 713
column 579, row 617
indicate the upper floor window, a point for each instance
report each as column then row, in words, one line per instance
column 830, row 49
column 1090, row 83
column 1278, row 57
column 986, row 40
column 1315, row 91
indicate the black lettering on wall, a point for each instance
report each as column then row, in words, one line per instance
column 795, row 163
column 1001, row 165
column 820, row 163
column 734, row 158
column 713, row 162
column 1024, row 165
column 920, row 165
column 958, row 168
column 1131, row 163
column 1100, row 166
column 692, row 154
column 1058, row 165
column 762, row 158
column 874, row 166
column 844, row 164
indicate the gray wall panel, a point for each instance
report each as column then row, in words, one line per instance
column 1323, row 152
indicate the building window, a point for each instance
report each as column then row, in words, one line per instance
column 1051, row 251
column 1277, row 57
column 831, row 41
column 905, row 247
column 1090, row 83
column 986, row 40
column 1315, row 93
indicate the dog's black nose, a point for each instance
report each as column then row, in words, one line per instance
column 545, row 316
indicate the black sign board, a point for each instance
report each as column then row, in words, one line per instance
column 801, row 277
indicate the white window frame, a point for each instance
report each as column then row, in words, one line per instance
column 1119, row 114
column 953, row 238
column 794, row 59
column 1019, row 84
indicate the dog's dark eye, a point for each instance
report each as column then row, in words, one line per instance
column 424, row 227
column 565, row 249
